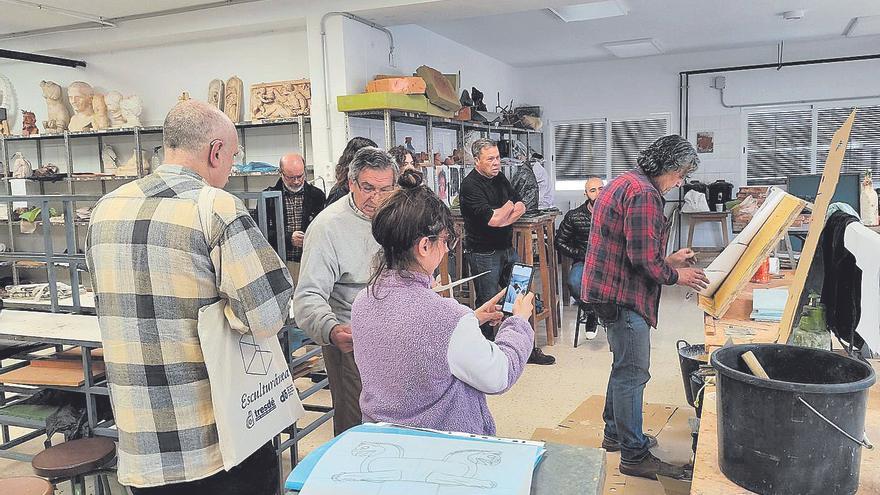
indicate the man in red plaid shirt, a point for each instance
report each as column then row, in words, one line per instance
column 624, row 269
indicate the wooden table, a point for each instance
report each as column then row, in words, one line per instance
column 694, row 219
column 709, row 480
column 528, row 232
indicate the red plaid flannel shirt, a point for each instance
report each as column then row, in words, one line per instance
column 626, row 261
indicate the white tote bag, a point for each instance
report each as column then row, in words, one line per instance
column 251, row 386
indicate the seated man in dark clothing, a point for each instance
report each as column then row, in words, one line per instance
column 571, row 240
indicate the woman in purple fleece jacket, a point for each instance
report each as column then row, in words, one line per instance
column 423, row 360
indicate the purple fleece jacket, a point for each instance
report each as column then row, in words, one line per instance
column 401, row 339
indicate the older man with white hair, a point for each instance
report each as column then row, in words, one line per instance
column 154, row 266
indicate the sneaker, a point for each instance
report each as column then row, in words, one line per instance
column 538, row 357
column 650, row 467
column 591, row 334
column 614, row 445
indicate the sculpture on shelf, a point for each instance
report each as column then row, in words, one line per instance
column 57, row 112
column 21, row 167
column 233, row 97
column 7, row 105
column 101, row 119
column 109, row 158
column 130, row 168
column 28, row 123
column 123, row 111
column 215, row 94
column 280, row 100
column 80, row 95
column 131, row 110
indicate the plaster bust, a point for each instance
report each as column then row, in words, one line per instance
column 80, row 95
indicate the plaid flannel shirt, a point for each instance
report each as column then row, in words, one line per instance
column 626, row 261
column 152, row 271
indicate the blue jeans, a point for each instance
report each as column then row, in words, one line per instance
column 629, row 339
column 574, row 279
column 497, row 263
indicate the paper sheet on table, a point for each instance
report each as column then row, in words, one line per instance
column 369, row 464
column 864, row 244
column 720, row 268
column 450, row 285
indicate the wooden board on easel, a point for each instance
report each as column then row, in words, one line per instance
column 760, row 246
column 827, row 185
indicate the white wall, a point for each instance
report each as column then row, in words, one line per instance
column 638, row 87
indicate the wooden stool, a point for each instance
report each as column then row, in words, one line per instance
column 694, row 219
column 74, row 460
column 26, row 485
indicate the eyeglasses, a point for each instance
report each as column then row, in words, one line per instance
column 293, row 177
column 450, row 240
column 371, row 189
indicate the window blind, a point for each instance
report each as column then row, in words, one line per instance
column 778, row 145
column 580, row 150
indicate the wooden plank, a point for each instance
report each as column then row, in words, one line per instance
column 61, row 328
column 758, row 249
column 44, row 374
column 827, row 185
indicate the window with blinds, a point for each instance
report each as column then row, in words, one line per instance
column 629, row 137
column 579, row 150
column 863, row 149
column 779, row 144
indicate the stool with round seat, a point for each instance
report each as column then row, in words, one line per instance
column 26, row 485
column 75, row 460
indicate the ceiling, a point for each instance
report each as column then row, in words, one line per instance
column 538, row 37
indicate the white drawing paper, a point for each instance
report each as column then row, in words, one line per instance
column 389, row 464
column 721, row 266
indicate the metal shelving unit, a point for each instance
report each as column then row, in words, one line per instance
column 390, row 117
column 70, row 178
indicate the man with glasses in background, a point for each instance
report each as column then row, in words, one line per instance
column 338, row 252
column 301, row 203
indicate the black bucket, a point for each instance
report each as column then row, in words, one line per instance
column 772, row 437
column 687, row 360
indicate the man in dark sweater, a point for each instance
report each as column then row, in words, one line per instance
column 572, row 239
column 301, row 203
column 489, row 206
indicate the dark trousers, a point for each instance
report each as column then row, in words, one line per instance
column 629, row 339
column 497, row 263
column 256, row 475
column 345, row 388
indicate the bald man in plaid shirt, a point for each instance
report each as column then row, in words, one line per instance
column 153, row 267
column 624, row 269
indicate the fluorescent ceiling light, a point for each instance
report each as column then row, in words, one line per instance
column 590, row 11
column 863, row 26
column 634, row 48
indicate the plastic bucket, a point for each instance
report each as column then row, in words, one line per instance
column 802, row 431
column 687, row 360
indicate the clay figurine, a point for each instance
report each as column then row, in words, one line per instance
column 868, row 201
column 80, row 95
column 58, row 114
column 215, row 93
column 233, row 95
column 130, row 168
column 101, row 119
column 28, row 123
column 21, row 167
column 108, row 156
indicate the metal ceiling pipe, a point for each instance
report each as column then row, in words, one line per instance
column 58, row 10
column 326, row 71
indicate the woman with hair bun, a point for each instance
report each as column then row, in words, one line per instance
column 423, row 360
